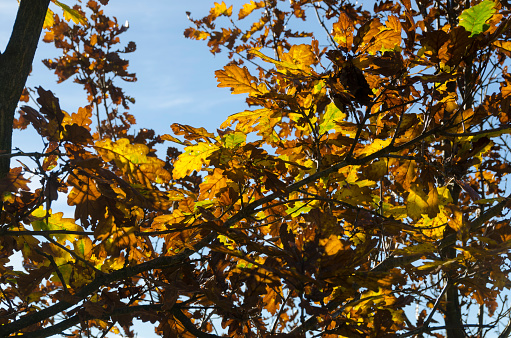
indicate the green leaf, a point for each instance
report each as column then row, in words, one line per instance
column 332, row 115
column 299, row 208
column 234, row 139
column 474, row 19
column 47, row 221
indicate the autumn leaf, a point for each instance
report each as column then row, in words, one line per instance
column 48, row 21
column 233, row 140
column 220, row 9
column 45, row 220
column 249, row 8
column 83, row 247
column 272, row 300
column 238, row 79
column 330, row 117
column 71, row 14
column 332, row 245
column 343, row 31
column 296, row 61
column 193, row 158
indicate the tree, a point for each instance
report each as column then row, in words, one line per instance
column 367, row 177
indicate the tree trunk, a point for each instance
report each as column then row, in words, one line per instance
column 15, row 65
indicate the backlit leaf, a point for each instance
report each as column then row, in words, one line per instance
column 249, row 8
column 193, row 158
column 238, row 79
column 233, row 140
column 220, row 9
column 45, row 220
column 48, row 20
column 343, row 31
column 474, row 18
column 71, row 14
column 330, row 117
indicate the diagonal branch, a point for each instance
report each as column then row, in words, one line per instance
column 99, row 281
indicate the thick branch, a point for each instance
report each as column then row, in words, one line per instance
column 187, row 323
column 70, row 322
column 15, row 65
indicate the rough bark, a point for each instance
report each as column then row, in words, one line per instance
column 15, row 65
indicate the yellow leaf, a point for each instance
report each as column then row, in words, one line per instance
column 220, row 9
column 434, row 227
column 301, row 57
column 48, row 20
column 238, row 79
column 249, row 8
column 71, row 14
column 45, row 220
column 292, row 62
column 506, row 45
column 83, row 247
column 375, row 146
column 332, row 245
column 271, row 300
column 132, row 159
column 387, row 39
column 212, row 184
column 164, row 222
column 192, row 159
column 417, row 204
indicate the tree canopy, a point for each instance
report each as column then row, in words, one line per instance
column 361, row 194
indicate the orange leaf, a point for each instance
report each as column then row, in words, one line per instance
column 249, row 8
column 343, row 31
column 220, row 9
column 238, row 79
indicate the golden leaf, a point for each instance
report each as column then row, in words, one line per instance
column 343, row 31
column 192, row 159
column 238, row 79
column 249, row 8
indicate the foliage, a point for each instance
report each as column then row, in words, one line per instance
column 367, row 176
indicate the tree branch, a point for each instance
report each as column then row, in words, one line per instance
column 15, row 65
column 101, row 280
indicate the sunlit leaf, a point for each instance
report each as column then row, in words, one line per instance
column 332, row 114
column 193, row 158
column 45, row 220
column 248, row 8
column 238, row 79
column 474, row 18
column 71, row 14
column 48, row 20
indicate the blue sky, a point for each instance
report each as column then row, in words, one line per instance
column 176, row 80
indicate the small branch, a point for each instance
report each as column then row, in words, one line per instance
column 436, row 328
column 187, row 323
column 476, row 133
column 55, row 266
column 322, row 23
column 36, row 155
column 44, row 233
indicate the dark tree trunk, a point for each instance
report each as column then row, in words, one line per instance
column 15, row 65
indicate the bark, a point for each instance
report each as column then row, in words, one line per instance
column 15, row 65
